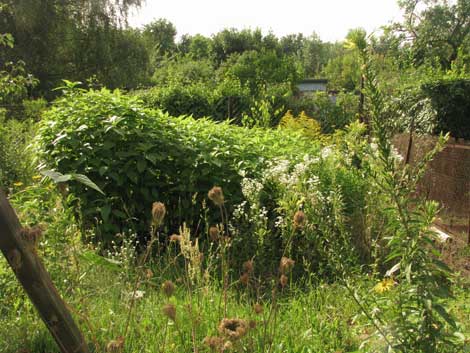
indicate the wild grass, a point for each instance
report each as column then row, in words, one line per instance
column 306, row 316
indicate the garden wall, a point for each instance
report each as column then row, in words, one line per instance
column 447, row 179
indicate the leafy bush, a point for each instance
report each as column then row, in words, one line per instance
column 330, row 114
column 16, row 159
column 451, row 100
column 138, row 155
column 33, row 108
column 324, row 191
column 179, row 99
column 308, row 126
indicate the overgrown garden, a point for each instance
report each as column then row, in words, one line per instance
column 196, row 203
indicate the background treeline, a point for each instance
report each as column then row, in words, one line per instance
column 245, row 75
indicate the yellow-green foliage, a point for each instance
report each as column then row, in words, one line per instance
column 308, row 126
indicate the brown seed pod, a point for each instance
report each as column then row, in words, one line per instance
column 174, row 238
column 169, row 310
column 216, row 195
column 214, row 343
column 299, row 220
column 283, row 280
column 233, row 329
column 248, row 266
column 168, row 288
column 258, row 308
column 158, row 213
column 245, row 279
column 115, row 346
column 286, row 265
column 213, row 233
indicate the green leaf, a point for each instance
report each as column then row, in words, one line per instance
column 95, row 259
column 105, row 211
column 58, row 177
column 445, row 315
column 86, row 181
column 152, row 157
column 119, row 214
column 141, row 165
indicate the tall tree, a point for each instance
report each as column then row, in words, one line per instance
column 435, row 29
column 67, row 39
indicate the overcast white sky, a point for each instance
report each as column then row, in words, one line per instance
column 330, row 19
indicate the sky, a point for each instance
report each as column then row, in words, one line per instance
column 330, row 19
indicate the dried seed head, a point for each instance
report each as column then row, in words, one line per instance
column 168, row 288
column 283, row 280
column 115, row 346
column 233, row 329
column 174, row 238
column 213, row 233
column 258, row 308
column 227, row 346
column 244, row 279
column 299, row 220
column 214, row 343
column 169, row 310
column 252, row 324
column 158, row 213
column 216, row 195
column 248, row 266
column 286, row 265
column 149, row 273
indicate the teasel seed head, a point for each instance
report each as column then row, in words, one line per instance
column 216, row 195
column 299, row 220
column 158, row 213
column 248, row 266
column 169, row 310
column 283, row 280
column 245, row 279
column 286, row 265
column 233, row 329
column 175, row 238
column 168, row 288
column 258, row 308
column 214, row 233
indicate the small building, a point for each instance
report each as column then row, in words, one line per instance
column 312, row 85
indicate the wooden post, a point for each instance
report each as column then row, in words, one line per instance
column 410, row 141
column 37, row 283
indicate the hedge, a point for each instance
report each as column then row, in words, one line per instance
column 138, row 155
column 451, row 99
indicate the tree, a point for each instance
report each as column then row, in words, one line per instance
column 435, row 29
column 68, row 39
column 14, row 80
column 200, row 47
column 160, row 38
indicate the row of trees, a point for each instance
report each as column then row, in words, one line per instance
column 78, row 40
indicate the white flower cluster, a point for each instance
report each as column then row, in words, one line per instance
column 326, row 152
column 280, row 170
column 251, row 188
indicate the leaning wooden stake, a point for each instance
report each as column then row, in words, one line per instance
column 37, row 283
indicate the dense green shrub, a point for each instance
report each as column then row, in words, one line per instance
column 16, row 159
column 138, row 155
column 177, row 99
column 330, row 114
column 229, row 99
column 451, row 99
